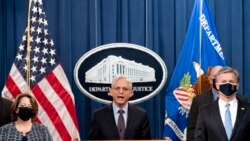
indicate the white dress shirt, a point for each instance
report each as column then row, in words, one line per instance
column 116, row 114
column 232, row 108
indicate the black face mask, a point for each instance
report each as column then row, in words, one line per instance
column 25, row 113
column 228, row 89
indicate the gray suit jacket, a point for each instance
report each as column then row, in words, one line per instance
column 103, row 126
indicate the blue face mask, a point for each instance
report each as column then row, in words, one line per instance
column 228, row 89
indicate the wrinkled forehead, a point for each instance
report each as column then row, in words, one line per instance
column 228, row 76
column 121, row 81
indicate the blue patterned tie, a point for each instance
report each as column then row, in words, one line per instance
column 228, row 122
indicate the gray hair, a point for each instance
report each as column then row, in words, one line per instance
column 118, row 77
column 227, row 70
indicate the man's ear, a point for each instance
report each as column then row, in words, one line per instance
column 238, row 86
column 132, row 93
column 109, row 93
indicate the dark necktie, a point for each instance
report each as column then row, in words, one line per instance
column 121, row 124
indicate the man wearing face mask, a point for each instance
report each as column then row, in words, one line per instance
column 204, row 99
column 227, row 118
column 23, row 111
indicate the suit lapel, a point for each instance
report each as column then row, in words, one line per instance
column 111, row 121
column 218, row 118
column 209, row 97
column 129, row 120
column 240, row 113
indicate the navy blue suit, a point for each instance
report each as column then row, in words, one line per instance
column 209, row 126
column 103, row 125
column 198, row 102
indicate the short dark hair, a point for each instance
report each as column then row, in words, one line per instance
column 15, row 104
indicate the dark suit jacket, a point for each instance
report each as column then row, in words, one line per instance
column 209, row 126
column 103, row 126
column 5, row 114
column 199, row 101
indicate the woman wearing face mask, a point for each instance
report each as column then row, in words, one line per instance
column 23, row 128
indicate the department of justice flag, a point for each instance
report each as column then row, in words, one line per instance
column 193, row 61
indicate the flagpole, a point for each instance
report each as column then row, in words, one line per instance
column 28, row 49
column 200, row 47
column 146, row 24
column 96, row 24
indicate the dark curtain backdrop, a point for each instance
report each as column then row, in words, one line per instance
column 160, row 25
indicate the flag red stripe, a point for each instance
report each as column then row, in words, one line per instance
column 12, row 87
column 64, row 95
column 182, row 89
column 180, row 94
column 51, row 112
column 37, row 120
column 183, row 99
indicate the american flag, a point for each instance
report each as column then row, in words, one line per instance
column 48, row 82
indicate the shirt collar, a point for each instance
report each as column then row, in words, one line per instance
column 232, row 102
column 116, row 108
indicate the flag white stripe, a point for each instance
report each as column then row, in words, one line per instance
column 42, row 115
column 58, row 105
column 18, row 78
column 61, row 77
column 5, row 94
column 59, row 73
